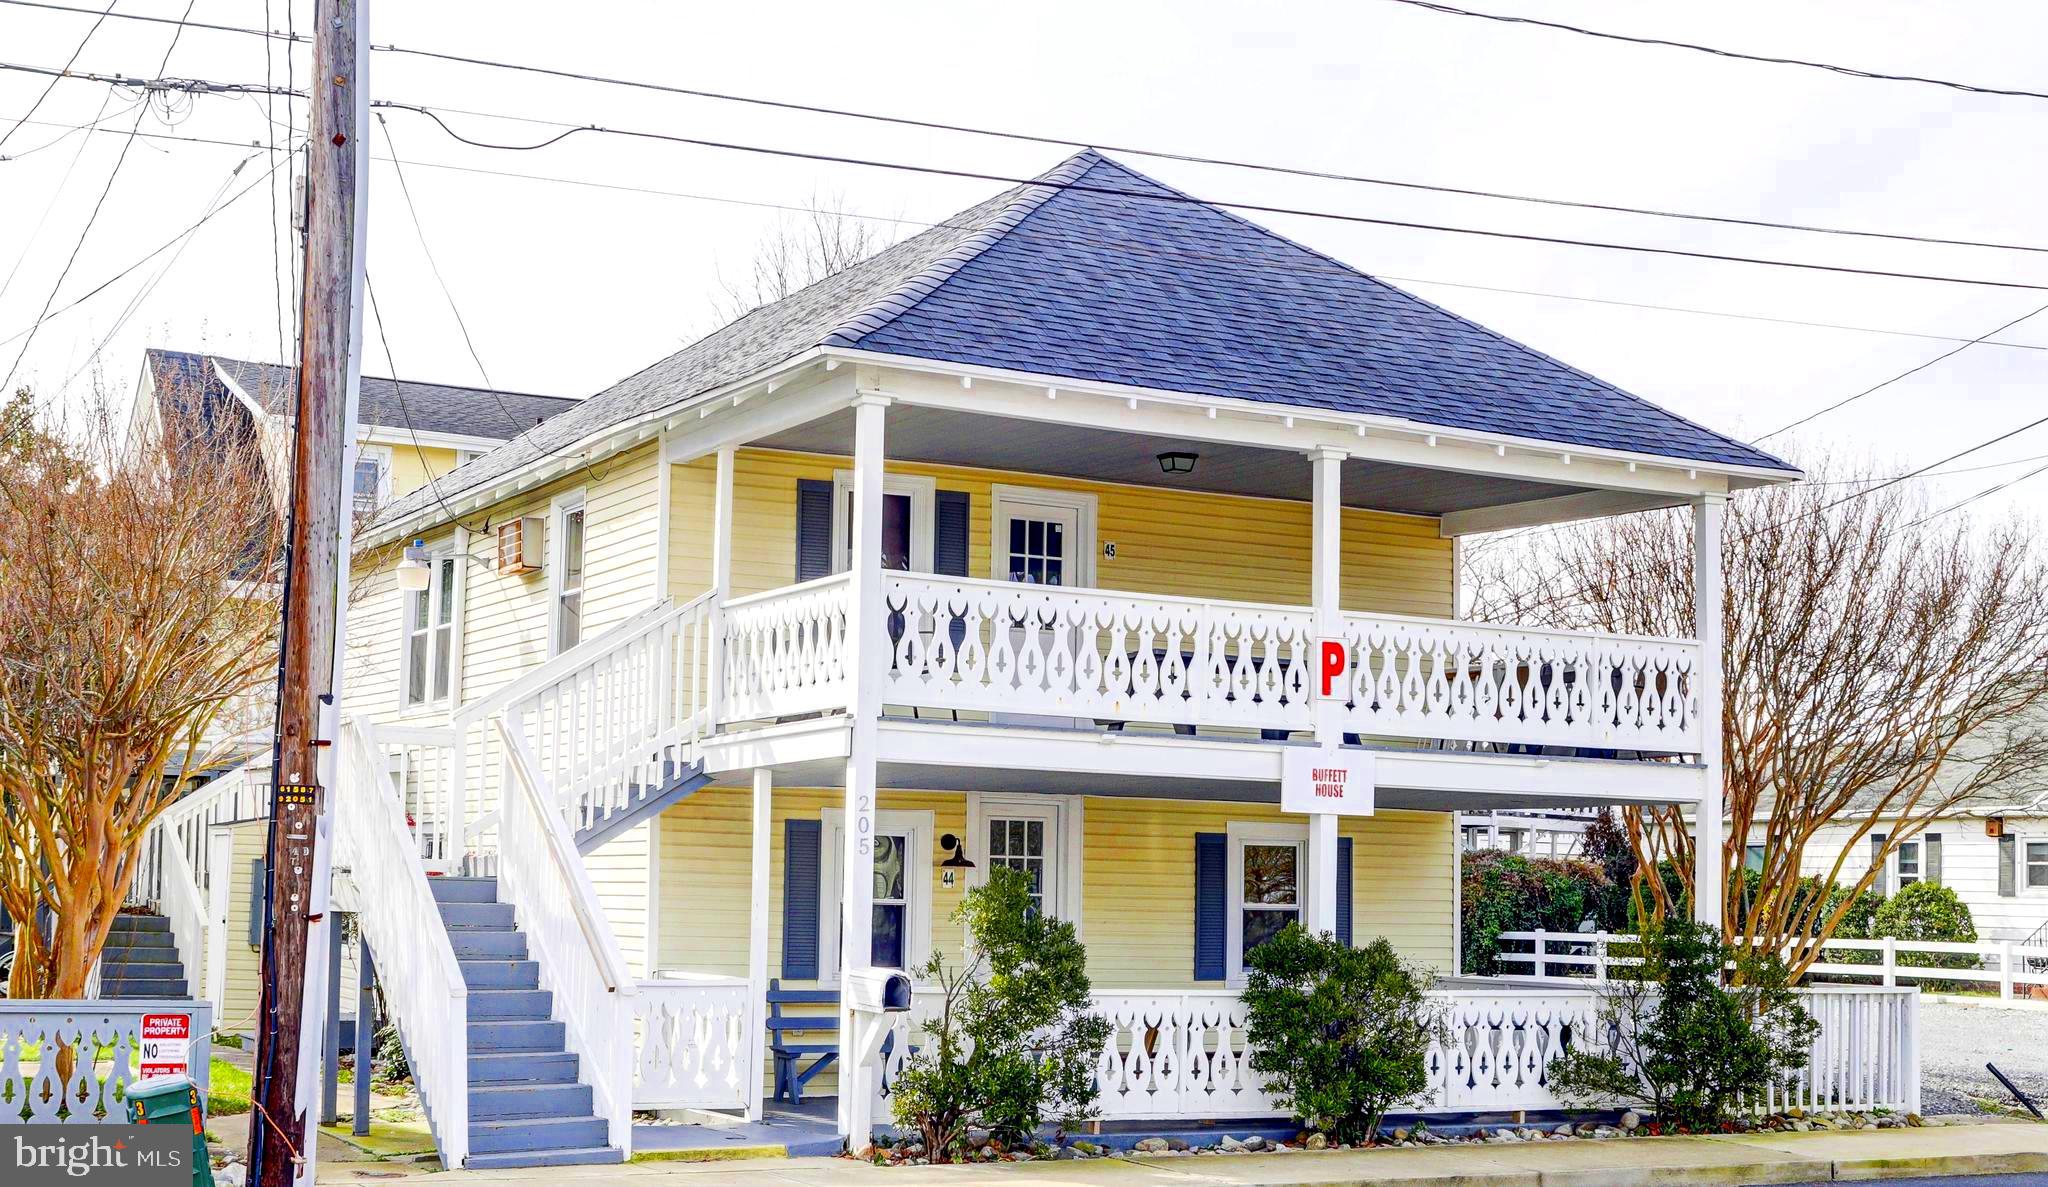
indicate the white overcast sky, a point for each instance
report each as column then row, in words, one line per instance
column 566, row 288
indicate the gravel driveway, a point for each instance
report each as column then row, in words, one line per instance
column 1955, row 1042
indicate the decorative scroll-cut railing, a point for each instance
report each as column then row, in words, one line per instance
column 1186, row 1054
column 1426, row 678
column 697, row 1042
column 784, row 651
column 103, row 1039
column 998, row 646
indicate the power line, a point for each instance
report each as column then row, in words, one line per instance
column 1176, row 198
column 420, row 231
column 52, row 85
column 1907, row 373
column 1128, row 248
column 1069, row 142
column 126, row 146
column 1832, row 68
column 1985, row 493
column 1161, row 196
column 63, row 183
column 197, row 86
column 161, row 248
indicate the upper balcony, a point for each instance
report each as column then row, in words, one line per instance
column 1107, row 660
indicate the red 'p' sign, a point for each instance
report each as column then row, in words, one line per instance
column 1333, row 667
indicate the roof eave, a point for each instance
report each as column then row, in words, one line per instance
column 1739, row 475
column 592, row 447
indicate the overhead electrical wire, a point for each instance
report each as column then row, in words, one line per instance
column 1070, row 142
column 6, row 385
column 1127, row 248
column 116, row 278
column 59, row 77
column 1717, row 51
column 1175, row 198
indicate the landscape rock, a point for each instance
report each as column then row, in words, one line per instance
column 1150, row 1146
column 234, row 1174
column 1317, row 1141
column 1177, row 1145
column 1506, row 1135
column 1631, row 1120
column 977, row 1137
column 1229, row 1145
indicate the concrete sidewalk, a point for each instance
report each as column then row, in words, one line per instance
column 1977, row 1149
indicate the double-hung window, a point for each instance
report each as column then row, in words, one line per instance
column 900, row 923
column 430, row 616
column 1268, row 875
column 370, row 482
column 2035, row 858
column 566, row 608
column 1908, row 865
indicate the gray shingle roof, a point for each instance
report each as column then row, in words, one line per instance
column 402, row 405
column 1123, row 280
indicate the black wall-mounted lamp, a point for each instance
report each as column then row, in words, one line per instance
column 959, row 859
column 1176, row 461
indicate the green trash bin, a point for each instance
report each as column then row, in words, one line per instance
column 174, row 1100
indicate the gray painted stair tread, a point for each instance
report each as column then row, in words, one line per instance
column 522, row 1067
column 580, row 1156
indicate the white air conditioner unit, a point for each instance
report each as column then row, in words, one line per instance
column 519, row 544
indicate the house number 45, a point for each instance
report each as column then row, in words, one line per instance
column 1109, row 549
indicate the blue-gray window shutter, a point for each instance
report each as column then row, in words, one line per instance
column 1212, row 860
column 800, row 840
column 2008, row 866
column 1930, row 859
column 258, row 884
column 950, row 511
column 1344, row 891
column 813, row 528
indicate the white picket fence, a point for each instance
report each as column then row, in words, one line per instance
column 2011, row 967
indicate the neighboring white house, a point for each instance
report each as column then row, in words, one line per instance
column 1531, row 832
column 1992, row 851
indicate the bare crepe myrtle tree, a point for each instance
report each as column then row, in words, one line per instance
column 138, row 603
column 1881, row 668
column 801, row 248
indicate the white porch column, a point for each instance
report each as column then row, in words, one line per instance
column 868, row 644
column 757, row 938
column 1319, row 905
column 721, row 585
column 1707, row 598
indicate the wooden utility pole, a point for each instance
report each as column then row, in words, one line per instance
column 289, row 1023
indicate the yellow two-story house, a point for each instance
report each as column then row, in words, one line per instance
column 1056, row 537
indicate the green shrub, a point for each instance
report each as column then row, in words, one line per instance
column 1339, row 1033
column 1924, row 911
column 1013, row 1040
column 1506, row 892
column 1683, row 1045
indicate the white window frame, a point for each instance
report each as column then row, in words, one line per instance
column 406, row 634
column 2019, row 855
column 924, row 497
column 1241, row 833
column 1898, row 872
column 1064, row 830
column 382, row 455
column 558, row 512
column 1005, row 498
column 915, row 826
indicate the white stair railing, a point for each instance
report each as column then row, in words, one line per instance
column 175, row 876
column 416, row 964
column 622, row 716
column 184, row 905
column 541, row 874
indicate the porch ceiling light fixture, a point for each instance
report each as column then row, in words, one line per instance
column 959, row 860
column 1176, row 461
column 414, row 570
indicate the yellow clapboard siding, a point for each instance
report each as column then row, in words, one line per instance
column 1168, row 541
column 1137, row 880
column 413, row 466
column 244, row 977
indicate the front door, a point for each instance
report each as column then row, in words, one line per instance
column 1026, row 839
column 1038, row 542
